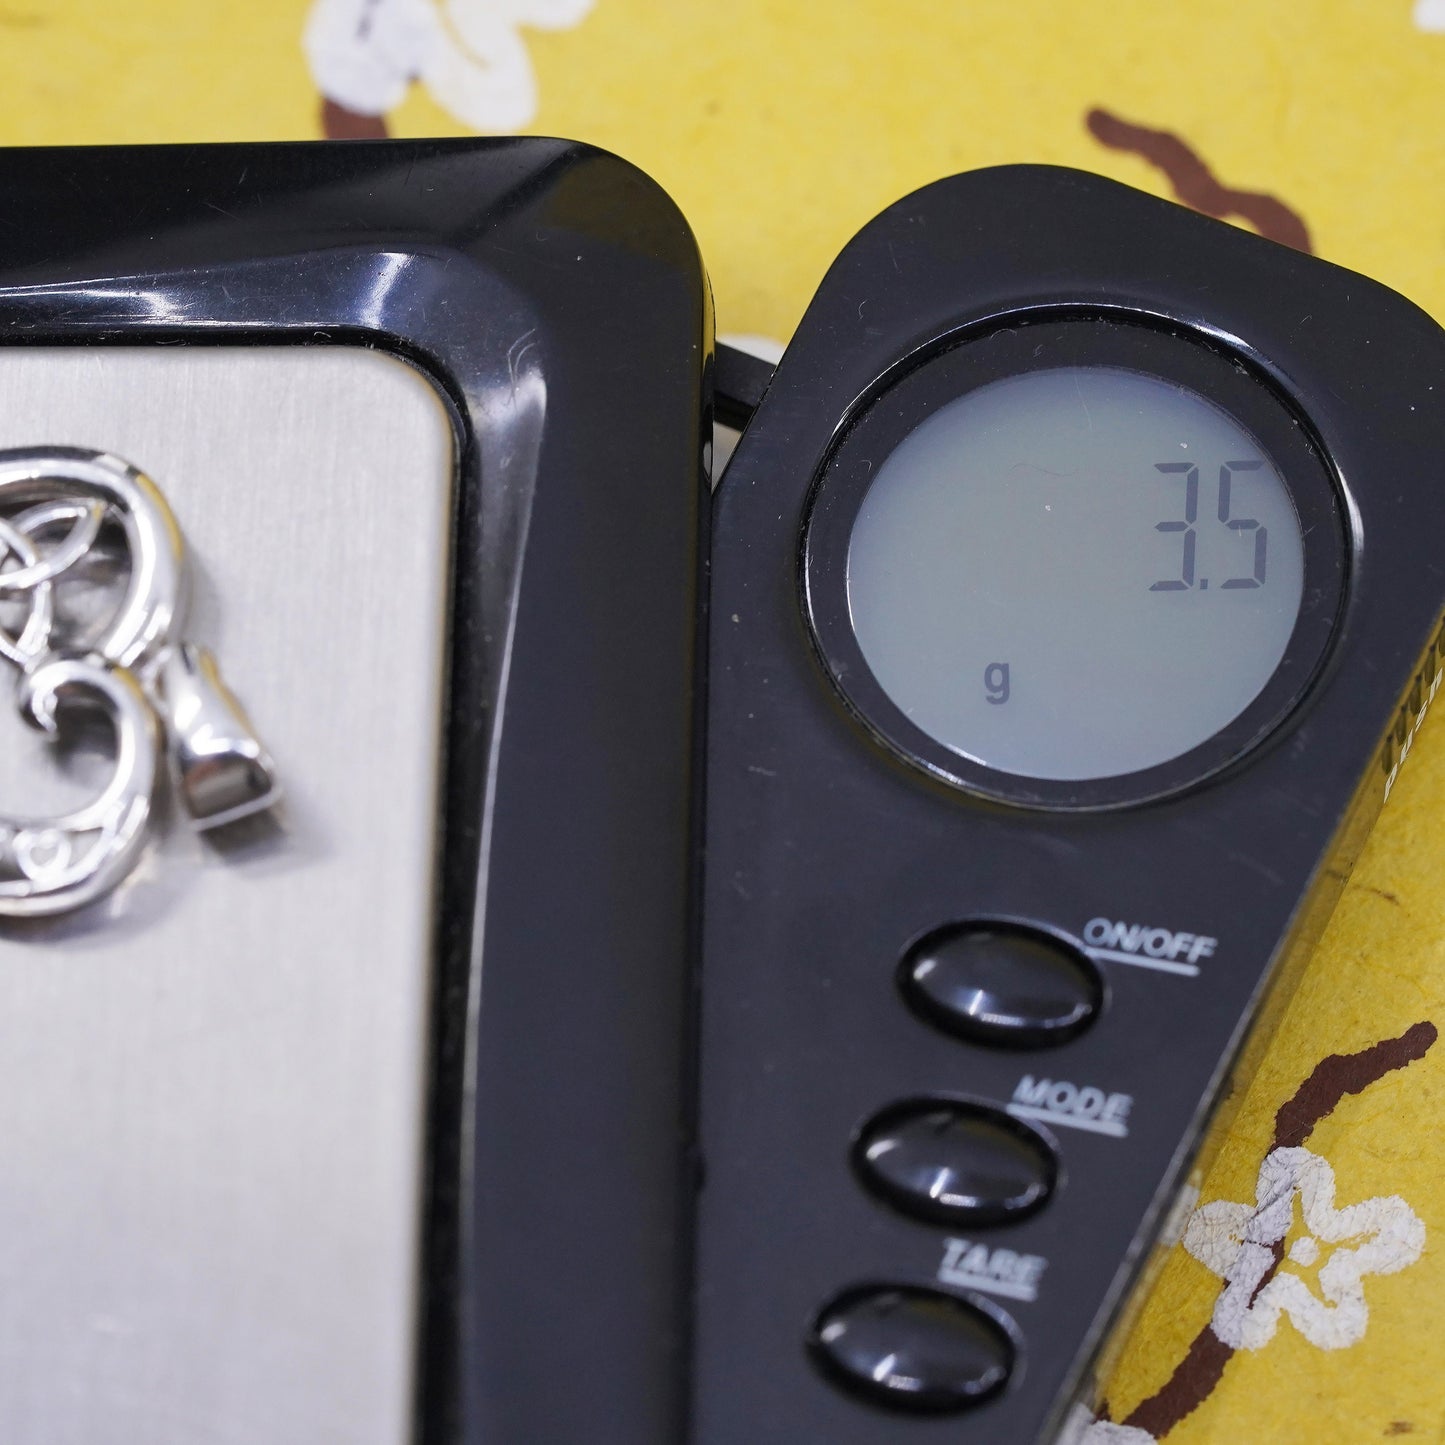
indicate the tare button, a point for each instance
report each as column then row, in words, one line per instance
column 1075, row 1106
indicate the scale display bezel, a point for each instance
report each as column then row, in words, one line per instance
column 962, row 363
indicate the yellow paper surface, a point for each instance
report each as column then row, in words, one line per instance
column 780, row 129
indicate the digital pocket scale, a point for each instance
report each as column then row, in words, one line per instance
column 1074, row 601
column 1076, row 597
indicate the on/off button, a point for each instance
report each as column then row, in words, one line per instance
column 1002, row 983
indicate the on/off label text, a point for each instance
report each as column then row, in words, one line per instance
column 1143, row 945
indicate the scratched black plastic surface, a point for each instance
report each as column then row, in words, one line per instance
column 556, row 296
column 827, row 856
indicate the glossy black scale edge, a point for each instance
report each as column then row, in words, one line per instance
column 829, row 854
column 507, row 270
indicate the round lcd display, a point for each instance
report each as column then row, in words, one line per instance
column 1075, row 573
column 1075, row 562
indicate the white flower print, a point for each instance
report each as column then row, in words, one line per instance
column 1081, row 1428
column 1430, row 15
column 1238, row 1243
column 1103, row 1432
column 469, row 54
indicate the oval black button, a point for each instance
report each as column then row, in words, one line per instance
column 1002, row 984
column 955, row 1162
column 912, row 1348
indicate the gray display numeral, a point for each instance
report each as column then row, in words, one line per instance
column 1243, row 524
column 1190, row 473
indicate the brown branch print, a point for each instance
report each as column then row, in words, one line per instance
column 1195, row 184
column 338, row 123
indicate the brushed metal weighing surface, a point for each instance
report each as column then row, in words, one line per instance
column 211, row 1085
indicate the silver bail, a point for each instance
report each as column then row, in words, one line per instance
column 222, row 769
column 139, row 673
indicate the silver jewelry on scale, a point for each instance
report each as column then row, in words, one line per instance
column 158, row 691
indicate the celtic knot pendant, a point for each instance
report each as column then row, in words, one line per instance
column 59, row 506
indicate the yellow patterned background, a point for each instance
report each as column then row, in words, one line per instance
column 780, row 129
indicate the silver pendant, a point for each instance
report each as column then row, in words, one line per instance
column 159, row 692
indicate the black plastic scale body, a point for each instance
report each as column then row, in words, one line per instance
column 1181, row 898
